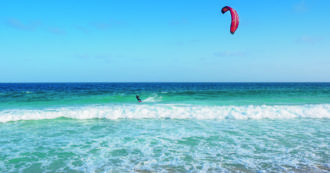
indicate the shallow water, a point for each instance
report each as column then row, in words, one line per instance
column 169, row 145
column 179, row 127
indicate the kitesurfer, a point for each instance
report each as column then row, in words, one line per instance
column 138, row 98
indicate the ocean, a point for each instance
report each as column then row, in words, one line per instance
column 178, row 127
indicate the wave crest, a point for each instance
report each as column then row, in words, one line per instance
column 170, row 111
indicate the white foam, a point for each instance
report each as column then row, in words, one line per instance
column 152, row 99
column 170, row 111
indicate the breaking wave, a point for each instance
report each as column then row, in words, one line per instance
column 171, row 111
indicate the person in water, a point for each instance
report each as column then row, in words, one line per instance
column 138, row 98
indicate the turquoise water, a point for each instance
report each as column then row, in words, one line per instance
column 78, row 94
column 179, row 127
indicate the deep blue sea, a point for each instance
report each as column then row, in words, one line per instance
column 178, row 127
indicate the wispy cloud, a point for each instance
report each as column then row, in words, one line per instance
column 56, row 30
column 82, row 29
column 101, row 25
column 300, row 7
column 186, row 42
column 86, row 28
column 230, row 54
column 106, row 24
column 309, row 39
column 178, row 22
column 222, row 55
column 31, row 26
column 17, row 24
column 106, row 58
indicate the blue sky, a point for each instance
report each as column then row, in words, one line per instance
column 165, row 40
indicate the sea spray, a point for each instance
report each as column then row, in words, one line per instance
column 170, row 111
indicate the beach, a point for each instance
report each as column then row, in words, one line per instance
column 178, row 127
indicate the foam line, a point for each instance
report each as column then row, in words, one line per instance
column 170, row 111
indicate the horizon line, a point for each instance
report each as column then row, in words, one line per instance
column 175, row 82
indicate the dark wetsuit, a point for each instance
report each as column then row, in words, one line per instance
column 138, row 98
